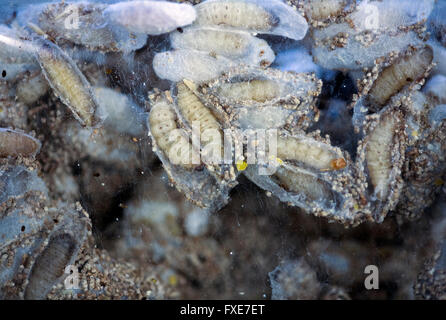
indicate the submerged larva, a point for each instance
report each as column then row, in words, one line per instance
column 50, row 265
column 323, row 9
column 194, row 65
column 305, row 183
column 240, row 46
column 167, row 136
column 382, row 142
column 311, row 153
column 15, row 143
column 255, row 90
column 404, row 71
column 264, row 16
column 238, row 14
column 150, row 17
column 67, row 81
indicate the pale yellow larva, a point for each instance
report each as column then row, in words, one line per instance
column 67, row 81
column 15, row 143
column 380, row 144
column 238, row 14
column 167, row 136
column 323, row 9
column 254, row 90
column 312, row 153
column 405, row 70
column 193, row 110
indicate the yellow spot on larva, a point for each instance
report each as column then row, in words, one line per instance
column 356, row 206
column 242, row 165
column 135, row 139
column 173, row 280
column 439, row 182
column 415, row 134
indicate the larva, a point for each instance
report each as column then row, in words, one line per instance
column 380, row 150
column 173, row 144
column 50, row 265
column 254, row 90
column 323, row 9
column 15, row 143
column 150, row 17
column 67, row 81
column 404, row 71
column 311, row 153
column 240, row 46
column 237, row 14
column 194, row 65
column 193, row 110
column 264, row 16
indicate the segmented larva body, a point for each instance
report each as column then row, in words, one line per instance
column 194, row 65
column 323, row 9
column 67, row 81
column 380, row 147
column 238, row 14
column 50, row 265
column 404, row 71
column 193, row 110
column 174, row 145
column 255, row 90
column 311, row 153
column 15, row 143
column 231, row 44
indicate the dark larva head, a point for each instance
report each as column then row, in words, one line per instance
column 50, row 265
column 15, row 143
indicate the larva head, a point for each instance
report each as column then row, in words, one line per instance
column 338, row 164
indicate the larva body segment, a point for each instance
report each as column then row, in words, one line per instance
column 310, row 153
column 235, row 45
column 194, row 65
column 163, row 123
column 256, row 16
column 14, row 143
column 404, row 71
column 67, row 81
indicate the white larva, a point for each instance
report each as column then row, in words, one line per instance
column 255, row 90
column 194, row 65
column 238, row 46
column 168, row 137
column 256, row 16
column 311, row 153
column 67, row 81
column 379, row 155
column 404, row 71
column 323, row 9
column 150, row 17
